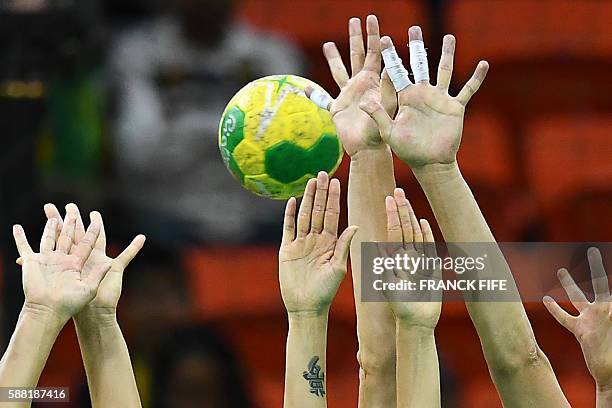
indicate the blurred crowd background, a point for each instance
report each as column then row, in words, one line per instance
column 114, row 105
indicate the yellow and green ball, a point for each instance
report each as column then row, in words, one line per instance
column 273, row 138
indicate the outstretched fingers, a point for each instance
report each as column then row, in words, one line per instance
column 418, row 55
column 336, row 65
column 131, row 251
column 445, row 68
column 84, row 248
column 289, row 222
column 388, row 96
column 429, row 239
column 101, row 241
column 576, row 296
column 565, row 319
column 341, row 252
column 49, row 236
column 471, row 86
column 332, row 210
column 66, row 238
column 357, row 52
column 305, row 213
column 394, row 225
column 79, row 229
column 51, row 211
column 372, row 59
column 320, row 203
column 410, row 226
column 394, row 67
column 21, row 241
column 599, row 277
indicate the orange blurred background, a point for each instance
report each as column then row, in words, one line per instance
column 536, row 149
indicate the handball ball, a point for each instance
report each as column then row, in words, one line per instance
column 273, row 138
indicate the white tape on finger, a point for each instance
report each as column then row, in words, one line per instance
column 418, row 60
column 321, row 98
column 397, row 73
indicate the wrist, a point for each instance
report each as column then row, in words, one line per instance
column 43, row 315
column 438, row 176
column 308, row 315
column 416, row 328
column 366, row 156
column 92, row 316
column 436, row 171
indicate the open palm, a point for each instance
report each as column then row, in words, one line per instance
column 416, row 240
column 593, row 326
column 429, row 123
column 109, row 291
column 312, row 263
column 356, row 129
column 54, row 278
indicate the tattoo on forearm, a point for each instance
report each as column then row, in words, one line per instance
column 315, row 377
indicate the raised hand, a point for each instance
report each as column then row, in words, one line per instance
column 356, row 129
column 593, row 325
column 54, row 279
column 416, row 240
column 312, row 260
column 429, row 123
column 109, row 291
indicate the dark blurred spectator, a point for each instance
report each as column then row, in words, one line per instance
column 195, row 368
column 47, row 50
column 175, row 75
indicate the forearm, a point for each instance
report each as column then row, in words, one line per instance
column 371, row 179
column 107, row 362
column 508, row 342
column 461, row 221
column 305, row 369
column 417, row 367
column 29, row 348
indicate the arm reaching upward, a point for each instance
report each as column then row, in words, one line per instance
column 418, row 373
column 105, row 354
column 55, row 289
column 312, row 264
column 426, row 134
column 593, row 325
column 371, row 179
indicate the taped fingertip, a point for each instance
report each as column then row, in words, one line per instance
column 320, row 98
column 593, row 251
column 415, row 33
column 386, row 42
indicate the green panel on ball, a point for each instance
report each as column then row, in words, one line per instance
column 266, row 186
column 231, row 129
column 287, row 162
column 235, row 169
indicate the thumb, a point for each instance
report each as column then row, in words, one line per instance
column 372, row 107
column 343, row 245
column 96, row 276
column 388, row 94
